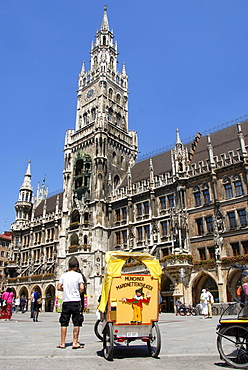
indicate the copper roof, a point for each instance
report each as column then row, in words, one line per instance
column 50, row 205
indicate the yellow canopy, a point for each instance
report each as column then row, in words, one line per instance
column 115, row 262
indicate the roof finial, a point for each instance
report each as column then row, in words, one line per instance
column 105, row 25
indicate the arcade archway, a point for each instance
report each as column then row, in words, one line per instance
column 167, row 289
column 207, row 282
column 49, row 298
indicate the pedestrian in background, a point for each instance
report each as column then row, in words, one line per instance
column 204, row 303
column 7, row 298
column 210, row 303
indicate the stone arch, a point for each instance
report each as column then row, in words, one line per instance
column 23, row 292
column 204, row 280
column 49, row 298
column 167, row 289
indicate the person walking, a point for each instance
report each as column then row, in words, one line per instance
column 17, row 304
column 71, row 284
column 7, row 298
column 23, row 303
column 204, row 303
column 210, row 302
column 37, row 304
column 32, row 304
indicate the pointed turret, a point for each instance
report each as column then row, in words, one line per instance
column 24, row 204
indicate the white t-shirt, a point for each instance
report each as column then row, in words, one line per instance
column 70, row 281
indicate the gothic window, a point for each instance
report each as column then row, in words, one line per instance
column 235, row 249
column 111, row 62
column 232, row 220
column 118, row 238
column 85, row 118
column 93, row 114
column 118, row 119
column 146, row 208
column 238, row 186
column 114, row 158
column 162, row 203
column 85, row 240
column 124, row 236
column 124, row 213
column 86, row 217
column 110, row 93
column 209, row 222
column 202, row 254
column 74, row 239
column 104, row 40
column 228, row 188
column 211, row 253
column 242, row 217
column 118, row 98
column 147, row 232
column 164, row 228
column 197, row 196
column 75, row 216
column 171, row 200
column 95, row 62
column 139, row 209
column 117, row 215
column 139, row 233
column 116, row 181
column 245, row 247
column 206, row 196
column 117, row 79
column 200, row 226
column 110, row 114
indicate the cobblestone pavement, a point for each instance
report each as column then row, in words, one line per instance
column 187, row 343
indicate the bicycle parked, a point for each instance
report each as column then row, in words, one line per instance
column 232, row 333
column 184, row 310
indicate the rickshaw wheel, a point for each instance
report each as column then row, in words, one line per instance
column 108, row 341
column 98, row 329
column 154, row 344
column 232, row 344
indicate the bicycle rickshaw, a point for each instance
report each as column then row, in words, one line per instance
column 129, row 303
column 232, row 339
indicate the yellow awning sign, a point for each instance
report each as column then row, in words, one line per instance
column 115, row 262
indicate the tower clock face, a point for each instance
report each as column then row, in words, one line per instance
column 89, row 93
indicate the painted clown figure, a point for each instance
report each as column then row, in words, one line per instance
column 137, row 305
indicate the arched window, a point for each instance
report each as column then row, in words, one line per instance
column 110, row 114
column 75, row 217
column 114, row 158
column 118, row 99
column 74, row 239
column 197, row 196
column 238, row 186
column 111, row 62
column 110, row 93
column 206, row 194
column 104, row 40
column 93, row 114
column 118, row 119
column 116, row 181
column 228, row 188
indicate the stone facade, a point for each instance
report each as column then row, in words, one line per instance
column 188, row 206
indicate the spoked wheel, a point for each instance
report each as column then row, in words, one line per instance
column 182, row 312
column 108, row 342
column 154, row 343
column 98, row 329
column 232, row 344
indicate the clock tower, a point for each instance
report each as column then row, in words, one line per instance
column 98, row 152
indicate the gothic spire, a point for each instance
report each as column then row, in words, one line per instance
column 27, row 179
column 105, row 24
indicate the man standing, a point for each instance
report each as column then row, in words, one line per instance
column 71, row 284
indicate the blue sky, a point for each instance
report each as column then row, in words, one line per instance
column 186, row 61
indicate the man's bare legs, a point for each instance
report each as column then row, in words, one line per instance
column 76, row 330
column 63, row 336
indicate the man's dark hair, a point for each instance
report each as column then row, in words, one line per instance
column 73, row 262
